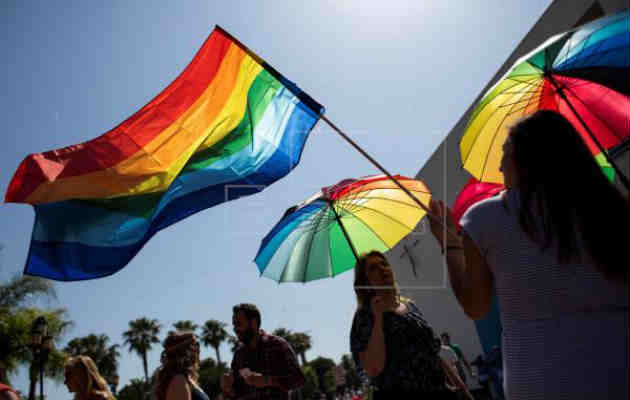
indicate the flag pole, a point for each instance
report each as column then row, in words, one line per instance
column 383, row 170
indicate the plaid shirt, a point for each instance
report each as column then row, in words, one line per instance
column 273, row 357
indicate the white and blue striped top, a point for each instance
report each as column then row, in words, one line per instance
column 565, row 327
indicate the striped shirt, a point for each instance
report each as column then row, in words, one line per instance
column 565, row 327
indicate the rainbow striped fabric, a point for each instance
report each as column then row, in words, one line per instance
column 228, row 126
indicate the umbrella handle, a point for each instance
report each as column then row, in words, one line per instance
column 383, row 170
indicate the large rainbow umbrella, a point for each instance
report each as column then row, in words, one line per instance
column 584, row 74
column 323, row 236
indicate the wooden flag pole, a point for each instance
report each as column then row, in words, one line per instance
column 383, row 170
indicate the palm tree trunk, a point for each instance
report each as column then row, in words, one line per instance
column 218, row 356
column 303, row 357
column 146, row 366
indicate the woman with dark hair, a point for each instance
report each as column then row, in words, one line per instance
column 391, row 341
column 177, row 376
column 552, row 245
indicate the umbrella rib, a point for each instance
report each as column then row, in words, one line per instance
column 597, row 46
column 388, row 188
column 310, row 246
column 384, row 215
column 394, row 201
column 569, row 46
column 528, row 82
column 580, row 82
column 516, row 110
column 484, row 124
column 370, row 229
column 597, row 116
column 588, row 37
column 583, row 59
column 309, row 222
column 366, row 194
column 528, row 101
column 347, row 236
column 330, row 260
column 482, row 128
column 524, row 92
column 284, row 268
column 494, row 137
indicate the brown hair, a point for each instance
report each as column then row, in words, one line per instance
column 363, row 294
column 180, row 356
column 91, row 385
column 250, row 311
column 574, row 202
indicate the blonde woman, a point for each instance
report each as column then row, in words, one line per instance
column 177, row 376
column 83, row 379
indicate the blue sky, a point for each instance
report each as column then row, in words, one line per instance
column 395, row 75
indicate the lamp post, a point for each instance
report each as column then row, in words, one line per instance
column 41, row 345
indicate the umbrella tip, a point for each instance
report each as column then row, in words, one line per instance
column 289, row 211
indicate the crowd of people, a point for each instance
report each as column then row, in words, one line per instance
column 547, row 246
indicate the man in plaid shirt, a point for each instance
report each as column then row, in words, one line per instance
column 264, row 366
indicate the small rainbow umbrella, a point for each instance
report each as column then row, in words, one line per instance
column 584, row 74
column 324, row 235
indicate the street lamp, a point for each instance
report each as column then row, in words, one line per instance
column 41, row 345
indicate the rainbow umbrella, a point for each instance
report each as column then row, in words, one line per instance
column 472, row 193
column 584, row 74
column 324, row 235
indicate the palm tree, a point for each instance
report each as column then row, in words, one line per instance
column 15, row 330
column 21, row 290
column 15, row 325
column 186, row 326
column 95, row 346
column 233, row 341
column 213, row 334
column 136, row 389
column 210, row 376
column 141, row 337
column 301, row 344
column 285, row 334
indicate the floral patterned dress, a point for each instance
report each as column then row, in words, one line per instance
column 412, row 362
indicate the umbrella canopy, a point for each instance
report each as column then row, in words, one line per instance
column 323, row 236
column 583, row 74
column 472, row 193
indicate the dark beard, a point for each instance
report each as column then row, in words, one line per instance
column 247, row 336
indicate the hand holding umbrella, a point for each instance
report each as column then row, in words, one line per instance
column 443, row 213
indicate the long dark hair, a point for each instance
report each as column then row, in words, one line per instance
column 180, row 356
column 574, row 202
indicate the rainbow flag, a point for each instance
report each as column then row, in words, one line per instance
column 228, row 126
